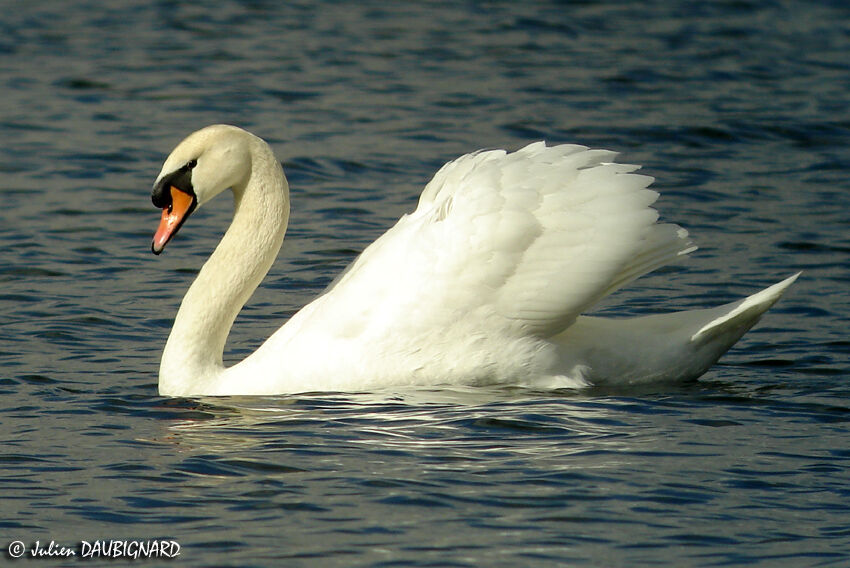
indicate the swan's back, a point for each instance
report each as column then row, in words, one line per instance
column 503, row 249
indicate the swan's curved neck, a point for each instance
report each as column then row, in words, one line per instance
column 192, row 360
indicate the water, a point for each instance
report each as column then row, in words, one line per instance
column 741, row 111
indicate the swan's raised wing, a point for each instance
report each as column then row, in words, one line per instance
column 531, row 239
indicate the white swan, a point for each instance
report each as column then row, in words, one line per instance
column 483, row 283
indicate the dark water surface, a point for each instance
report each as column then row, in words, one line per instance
column 740, row 109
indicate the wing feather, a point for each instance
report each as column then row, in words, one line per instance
column 531, row 238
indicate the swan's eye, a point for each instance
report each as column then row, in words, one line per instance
column 191, row 164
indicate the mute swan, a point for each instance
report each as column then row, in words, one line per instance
column 485, row 282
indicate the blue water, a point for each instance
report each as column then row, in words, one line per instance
column 740, row 109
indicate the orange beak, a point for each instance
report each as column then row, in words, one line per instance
column 182, row 204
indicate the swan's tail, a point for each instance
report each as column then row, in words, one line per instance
column 665, row 347
column 735, row 319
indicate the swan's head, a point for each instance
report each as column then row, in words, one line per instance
column 203, row 165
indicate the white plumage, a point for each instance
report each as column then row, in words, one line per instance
column 485, row 282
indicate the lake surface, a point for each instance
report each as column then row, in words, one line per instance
column 741, row 110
